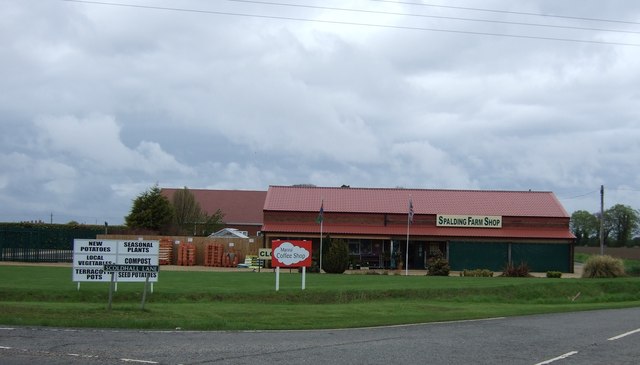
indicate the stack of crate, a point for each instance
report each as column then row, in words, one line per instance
column 230, row 259
column 213, row 254
column 180, row 254
column 165, row 256
column 186, row 254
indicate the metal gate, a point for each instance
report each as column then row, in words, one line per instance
column 40, row 244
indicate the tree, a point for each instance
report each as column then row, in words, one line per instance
column 623, row 221
column 187, row 210
column 606, row 226
column 212, row 222
column 584, row 226
column 335, row 258
column 151, row 211
column 189, row 215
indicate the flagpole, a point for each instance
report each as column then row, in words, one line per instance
column 321, row 223
column 406, row 254
column 321, row 218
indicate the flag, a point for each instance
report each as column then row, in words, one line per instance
column 320, row 214
column 410, row 210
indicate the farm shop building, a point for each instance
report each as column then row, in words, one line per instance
column 473, row 229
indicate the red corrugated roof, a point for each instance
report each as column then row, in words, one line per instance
column 425, row 201
column 238, row 206
column 504, row 233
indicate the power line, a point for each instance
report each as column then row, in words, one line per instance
column 596, row 191
column 433, row 16
column 400, row 27
column 624, row 189
column 509, row 12
column 580, row 196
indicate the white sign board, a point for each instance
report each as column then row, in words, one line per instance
column 90, row 256
column 471, row 221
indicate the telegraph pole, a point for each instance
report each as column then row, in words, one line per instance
column 601, row 219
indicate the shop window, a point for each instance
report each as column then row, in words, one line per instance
column 354, row 247
column 366, row 247
column 378, row 248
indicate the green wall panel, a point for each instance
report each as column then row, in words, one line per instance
column 494, row 256
column 542, row 257
column 478, row 255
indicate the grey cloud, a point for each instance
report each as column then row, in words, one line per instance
column 105, row 101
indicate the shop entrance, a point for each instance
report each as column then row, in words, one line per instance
column 420, row 252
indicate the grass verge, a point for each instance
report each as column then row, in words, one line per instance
column 247, row 301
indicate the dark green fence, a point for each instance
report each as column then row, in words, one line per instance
column 42, row 242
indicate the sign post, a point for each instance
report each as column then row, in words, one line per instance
column 111, row 284
column 291, row 254
column 144, row 293
column 264, row 255
column 146, row 271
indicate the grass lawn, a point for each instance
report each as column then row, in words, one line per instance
column 39, row 295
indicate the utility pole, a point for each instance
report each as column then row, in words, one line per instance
column 601, row 219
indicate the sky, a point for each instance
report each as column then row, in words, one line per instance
column 100, row 101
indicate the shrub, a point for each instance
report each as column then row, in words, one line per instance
column 603, row 267
column 438, row 266
column 520, row 271
column 336, row 257
column 484, row 273
column 554, row 274
column 632, row 268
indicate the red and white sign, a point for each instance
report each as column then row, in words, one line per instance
column 291, row 253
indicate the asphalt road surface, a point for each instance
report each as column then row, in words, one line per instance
column 594, row 337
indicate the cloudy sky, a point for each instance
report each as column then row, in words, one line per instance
column 100, row 102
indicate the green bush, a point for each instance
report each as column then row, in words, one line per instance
column 603, row 267
column 632, row 270
column 554, row 274
column 438, row 266
column 513, row 271
column 336, row 257
column 483, row 273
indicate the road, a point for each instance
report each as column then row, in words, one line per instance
column 594, row 337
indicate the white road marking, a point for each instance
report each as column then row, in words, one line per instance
column 140, row 361
column 558, row 358
column 84, row 356
column 5, row 348
column 6, row 329
column 623, row 335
